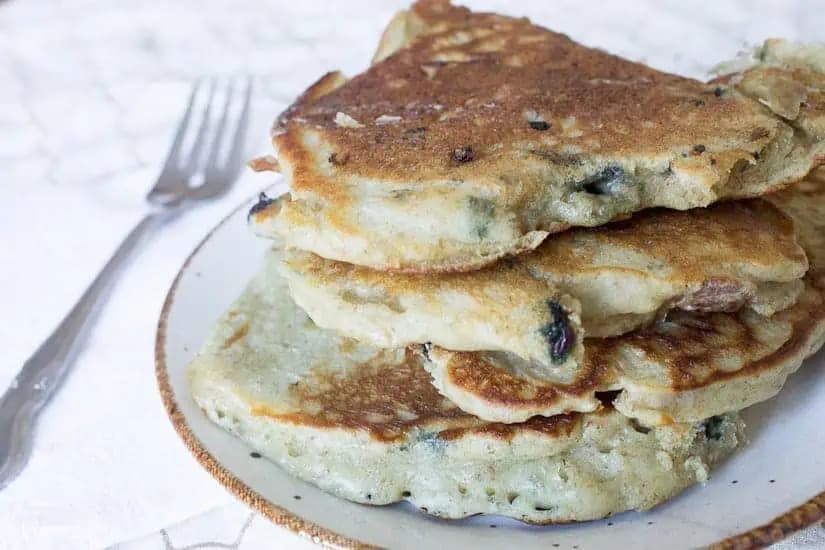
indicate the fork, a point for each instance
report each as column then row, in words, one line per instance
column 175, row 189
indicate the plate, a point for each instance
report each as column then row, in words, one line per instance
column 765, row 492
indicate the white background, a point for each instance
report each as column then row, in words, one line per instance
column 90, row 91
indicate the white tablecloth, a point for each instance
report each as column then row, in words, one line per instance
column 90, row 91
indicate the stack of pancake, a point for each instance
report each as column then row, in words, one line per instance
column 502, row 283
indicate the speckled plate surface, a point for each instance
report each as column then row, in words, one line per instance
column 770, row 489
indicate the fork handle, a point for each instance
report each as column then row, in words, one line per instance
column 43, row 372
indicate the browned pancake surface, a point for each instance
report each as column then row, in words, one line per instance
column 463, row 92
column 685, row 367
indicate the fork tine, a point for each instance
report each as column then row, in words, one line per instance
column 235, row 158
column 212, row 165
column 196, row 153
column 173, row 186
column 174, row 151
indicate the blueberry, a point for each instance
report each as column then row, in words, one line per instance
column 558, row 333
column 606, row 182
column 262, row 204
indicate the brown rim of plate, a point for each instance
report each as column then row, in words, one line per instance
column 799, row 517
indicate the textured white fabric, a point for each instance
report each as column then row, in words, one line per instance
column 809, row 539
column 232, row 527
column 90, row 91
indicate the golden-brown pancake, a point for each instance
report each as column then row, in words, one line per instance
column 788, row 78
column 366, row 424
column 460, row 311
column 624, row 275
column 683, row 369
column 686, row 367
column 475, row 135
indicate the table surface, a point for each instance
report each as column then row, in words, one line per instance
column 90, row 92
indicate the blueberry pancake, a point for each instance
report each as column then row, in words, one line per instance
column 366, row 424
column 459, row 311
column 682, row 369
column 685, row 367
column 788, row 78
column 473, row 136
column 624, row 275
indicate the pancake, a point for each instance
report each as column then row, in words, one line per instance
column 365, row 424
column 624, row 275
column 476, row 135
column 686, row 367
column 461, row 311
column 788, row 78
column 805, row 203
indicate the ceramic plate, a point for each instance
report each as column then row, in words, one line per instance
column 766, row 491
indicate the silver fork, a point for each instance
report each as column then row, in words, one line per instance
column 42, row 374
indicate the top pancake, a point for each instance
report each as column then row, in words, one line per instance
column 476, row 135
